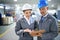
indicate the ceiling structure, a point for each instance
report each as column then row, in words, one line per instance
column 53, row 4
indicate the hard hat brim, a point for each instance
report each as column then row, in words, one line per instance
column 42, row 6
column 27, row 9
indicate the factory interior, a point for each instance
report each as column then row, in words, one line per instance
column 11, row 12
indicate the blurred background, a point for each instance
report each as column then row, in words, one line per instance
column 11, row 12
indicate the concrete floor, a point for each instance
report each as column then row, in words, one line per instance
column 10, row 34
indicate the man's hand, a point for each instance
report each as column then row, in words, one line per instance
column 35, row 33
column 40, row 34
column 32, row 33
column 42, row 31
column 27, row 30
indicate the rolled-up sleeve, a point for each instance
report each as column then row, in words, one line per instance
column 53, row 31
column 18, row 29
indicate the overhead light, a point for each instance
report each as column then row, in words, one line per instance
column 52, row 5
column 15, row 0
column 1, row 7
column 7, row 7
column 49, row 0
column 16, row 5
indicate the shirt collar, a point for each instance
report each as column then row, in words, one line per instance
column 45, row 15
column 28, row 21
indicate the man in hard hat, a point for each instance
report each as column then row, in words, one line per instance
column 47, row 23
column 25, row 24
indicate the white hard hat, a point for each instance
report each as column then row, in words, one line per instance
column 26, row 6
